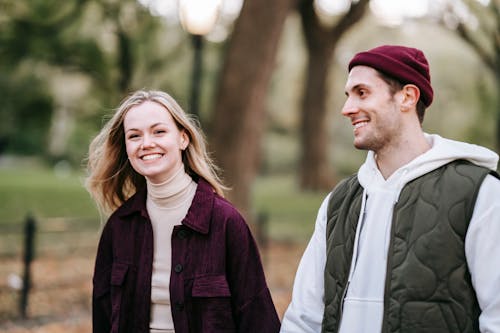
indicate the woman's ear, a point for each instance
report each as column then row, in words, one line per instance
column 184, row 139
column 411, row 95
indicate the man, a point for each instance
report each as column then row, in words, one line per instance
column 409, row 243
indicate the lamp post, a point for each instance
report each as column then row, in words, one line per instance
column 197, row 17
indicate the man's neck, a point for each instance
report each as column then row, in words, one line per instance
column 393, row 157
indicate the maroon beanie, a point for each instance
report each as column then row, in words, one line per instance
column 405, row 64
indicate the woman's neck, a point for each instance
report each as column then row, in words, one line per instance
column 173, row 192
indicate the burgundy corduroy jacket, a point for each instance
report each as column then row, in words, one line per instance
column 217, row 282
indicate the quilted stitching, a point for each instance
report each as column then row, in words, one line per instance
column 428, row 276
column 428, row 282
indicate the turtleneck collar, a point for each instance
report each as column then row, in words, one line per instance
column 172, row 192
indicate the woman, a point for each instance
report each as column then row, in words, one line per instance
column 174, row 256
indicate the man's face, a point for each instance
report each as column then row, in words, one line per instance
column 373, row 111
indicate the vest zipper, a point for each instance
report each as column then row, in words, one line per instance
column 341, row 311
column 354, row 259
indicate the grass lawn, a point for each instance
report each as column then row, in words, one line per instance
column 49, row 196
column 44, row 194
column 291, row 213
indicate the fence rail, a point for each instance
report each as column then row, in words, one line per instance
column 34, row 239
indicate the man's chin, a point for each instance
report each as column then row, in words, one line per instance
column 360, row 146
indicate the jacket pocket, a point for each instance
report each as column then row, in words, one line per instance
column 118, row 275
column 211, row 286
column 212, row 310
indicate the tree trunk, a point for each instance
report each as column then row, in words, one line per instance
column 321, row 42
column 489, row 52
column 314, row 171
column 239, row 114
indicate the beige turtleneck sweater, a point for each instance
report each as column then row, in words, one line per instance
column 167, row 204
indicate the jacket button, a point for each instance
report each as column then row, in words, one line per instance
column 178, row 268
column 179, row 306
column 182, row 234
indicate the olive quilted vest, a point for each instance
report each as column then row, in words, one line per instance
column 428, row 286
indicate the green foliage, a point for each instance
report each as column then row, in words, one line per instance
column 24, row 114
column 112, row 47
column 36, row 38
column 483, row 124
column 38, row 30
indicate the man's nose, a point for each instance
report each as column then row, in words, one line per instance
column 349, row 108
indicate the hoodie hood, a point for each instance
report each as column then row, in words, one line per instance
column 443, row 151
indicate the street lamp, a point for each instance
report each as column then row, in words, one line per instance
column 197, row 17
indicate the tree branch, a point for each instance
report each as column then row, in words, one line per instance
column 355, row 13
column 481, row 52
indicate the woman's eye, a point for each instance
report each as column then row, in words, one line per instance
column 160, row 131
column 133, row 136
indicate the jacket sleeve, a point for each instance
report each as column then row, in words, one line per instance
column 253, row 306
column 482, row 251
column 305, row 312
column 101, row 301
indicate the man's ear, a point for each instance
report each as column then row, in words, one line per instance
column 411, row 95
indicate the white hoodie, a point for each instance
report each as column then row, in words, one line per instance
column 363, row 304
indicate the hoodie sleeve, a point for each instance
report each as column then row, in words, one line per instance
column 305, row 312
column 482, row 250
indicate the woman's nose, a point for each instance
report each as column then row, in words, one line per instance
column 147, row 142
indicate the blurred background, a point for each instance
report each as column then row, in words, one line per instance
column 266, row 81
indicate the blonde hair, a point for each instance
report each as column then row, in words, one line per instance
column 111, row 179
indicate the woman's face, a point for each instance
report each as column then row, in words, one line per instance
column 154, row 143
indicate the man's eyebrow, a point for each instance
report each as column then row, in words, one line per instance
column 355, row 87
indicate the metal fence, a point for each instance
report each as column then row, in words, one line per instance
column 44, row 261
